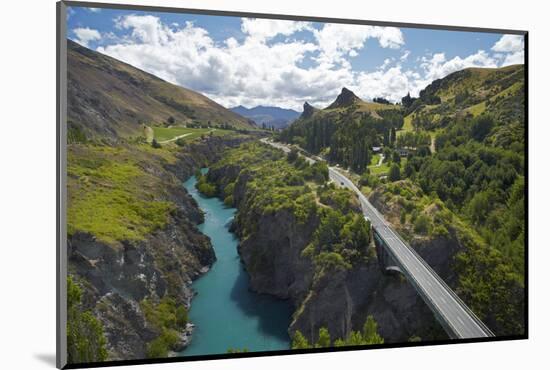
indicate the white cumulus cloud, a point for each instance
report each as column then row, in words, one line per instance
column 264, row 69
column 85, row 35
column 511, row 48
column 509, row 43
column 438, row 66
column 265, row 29
column 338, row 40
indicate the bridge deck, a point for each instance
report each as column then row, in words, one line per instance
column 458, row 320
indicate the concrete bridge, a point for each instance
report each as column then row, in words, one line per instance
column 396, row 255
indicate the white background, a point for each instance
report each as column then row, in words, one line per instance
column 27, row 182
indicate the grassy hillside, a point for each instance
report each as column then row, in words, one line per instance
column 109, row 98
column 470, row 93
column 114, row 193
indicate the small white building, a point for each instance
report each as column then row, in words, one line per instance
column 403, row 152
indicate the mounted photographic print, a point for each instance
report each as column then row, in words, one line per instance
column 236, row 184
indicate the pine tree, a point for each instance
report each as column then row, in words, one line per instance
column 395, row 173
column 324, row 338
column 370, row 332
column 299, row 341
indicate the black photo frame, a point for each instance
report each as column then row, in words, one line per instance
column 61, row 252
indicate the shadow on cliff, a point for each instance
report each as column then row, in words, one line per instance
column 273, row 314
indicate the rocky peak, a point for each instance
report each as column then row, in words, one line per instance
column 308, row 110
column 345, row 99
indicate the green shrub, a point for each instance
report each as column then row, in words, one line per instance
column 299, row 341
column 159, row 347
column 181, row 316
column 237, row 350
column 168, row 318
column 324, row 339
column 403, row 217
column 228, row 201
column 229, row 189
column 155, row 144
column 369, row 335
column 206, row 188
column 85, row 339
column 440, row 231
column 295, row 180
column 422, row 224
column 292, row 155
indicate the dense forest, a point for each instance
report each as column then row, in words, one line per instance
column 346, row 135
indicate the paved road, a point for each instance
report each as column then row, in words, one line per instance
column 454, row 315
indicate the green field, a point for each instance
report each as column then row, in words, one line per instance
column 163, row 134
column 384, row 168
column 477, row 109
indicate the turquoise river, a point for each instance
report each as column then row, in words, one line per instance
column 225, row 312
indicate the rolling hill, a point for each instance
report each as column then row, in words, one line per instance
column 462, row 95
column 269, row 116
column 470, row 93
column 109, row 98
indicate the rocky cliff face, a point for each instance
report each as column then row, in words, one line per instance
column 341, row 301
column 116, row 279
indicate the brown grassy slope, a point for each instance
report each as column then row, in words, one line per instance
column 109, row 98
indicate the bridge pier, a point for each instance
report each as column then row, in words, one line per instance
column 385, row 260
column 389, row 266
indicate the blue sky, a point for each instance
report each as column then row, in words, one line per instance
column 236, row 61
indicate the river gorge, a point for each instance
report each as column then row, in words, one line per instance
column 225, row 312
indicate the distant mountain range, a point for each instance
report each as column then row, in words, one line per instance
column 270, row 116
